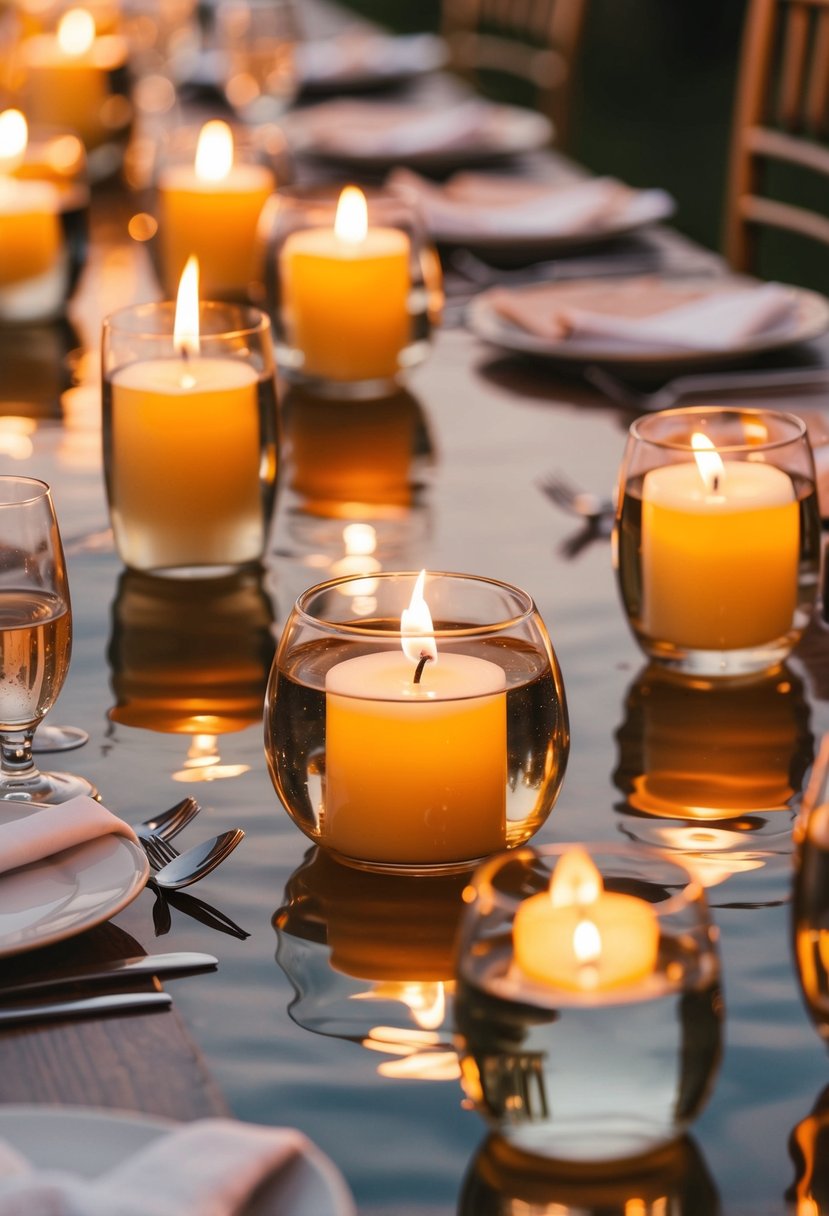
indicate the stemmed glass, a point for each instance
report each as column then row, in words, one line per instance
column 35, row 638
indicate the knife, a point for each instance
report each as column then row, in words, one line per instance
column 180, row 963
column 87, row 1006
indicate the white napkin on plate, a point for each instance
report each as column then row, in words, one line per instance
column 471, row 204
column 712, row 318
column 208, row 1168
column 32, row 833
column 357, row 128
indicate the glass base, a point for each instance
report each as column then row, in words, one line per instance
column 720, row 664
column 59, row 738
column 615, row 1140
column 404, row 868
column 46, row 788
column 290, row 366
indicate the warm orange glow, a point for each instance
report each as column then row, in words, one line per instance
column 14, row 136
column 214, row 152
column 186, row 326
column 351, row 220
column 416, row 625
column 709, row 462
column 575, row 880
column 76, row 32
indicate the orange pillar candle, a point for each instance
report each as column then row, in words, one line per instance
column 30, row 233
column 581, row 938
column 415, row 771
column 211, row 209
column 345, row 293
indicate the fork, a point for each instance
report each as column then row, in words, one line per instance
column 592, row 509
column 703, row 382
column 169, row 823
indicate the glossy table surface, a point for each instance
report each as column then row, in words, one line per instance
column 274, row 1038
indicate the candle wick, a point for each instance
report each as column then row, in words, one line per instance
column 424, row 659
column 715, row 484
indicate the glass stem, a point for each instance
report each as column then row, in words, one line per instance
column 16, row 758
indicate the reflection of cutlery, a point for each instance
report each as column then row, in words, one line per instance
column 171, row 965
column 87, row 1006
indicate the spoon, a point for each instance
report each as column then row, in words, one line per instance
column 195, row 863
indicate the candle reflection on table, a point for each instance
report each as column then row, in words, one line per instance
column 673, row 1181
column 808, row 1194
column 371, row 959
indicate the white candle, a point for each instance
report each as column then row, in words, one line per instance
column 719, row 554
column 415, row 771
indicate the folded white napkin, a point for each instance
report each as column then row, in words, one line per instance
column 358, row 52
column 359, row 128
column 471, row 204
column 208, row 1168
column 29, row 833
column 691, row 319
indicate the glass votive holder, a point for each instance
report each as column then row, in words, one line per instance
column 810, row 894
column 190, row 439
column 255, row 47
column 396, row 761
column 588, row 1010
column 44, row 219
column 209, row 194
column 717, row 542
column 71, row 75
column 347, row 290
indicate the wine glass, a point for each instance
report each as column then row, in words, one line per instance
column 35, row 638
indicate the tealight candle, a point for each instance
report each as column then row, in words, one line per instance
column 30, row 232
column 212, row 209
column 66, row 78
column 579, row 937
column 415, row 751
column 345, row 295
column 720, row 543
column 185, row 453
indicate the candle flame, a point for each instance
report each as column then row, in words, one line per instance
column 709, row 462
column 351, row 220
column 416, row 625
column 587, row 942
column 576, row 881
column 14, row 136
column 76, row 32
column 186, row 326
column 214, row 152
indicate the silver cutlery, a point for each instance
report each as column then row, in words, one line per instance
column 169, row 823
column 171, row 965
column 482, row 274
column 195, row 863
column 779, row 380
column 584, row 504
column 77, row 1007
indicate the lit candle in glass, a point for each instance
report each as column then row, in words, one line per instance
column 720, row 544
column 185, row 452
column 30, row 232
column 580, row 937
column 212, row 209
column 415, row 751
column 345, row 295
column 67, row 78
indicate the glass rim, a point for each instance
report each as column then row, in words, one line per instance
column 353, row 629
column 259, row 320
column 640, row 426
column 692, row 892
column 40, row 489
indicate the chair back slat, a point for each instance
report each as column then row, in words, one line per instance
column 817, row 92
column 793, row 67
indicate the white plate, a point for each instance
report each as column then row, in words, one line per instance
column 361, row 62
column 811, row 320
column 508, row 131
column 48, row 901
column 89, row 1142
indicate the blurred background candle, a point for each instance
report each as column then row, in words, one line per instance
column 30, row 235
column 69, row 78
column 189, row 445
column 211, row 208
column 345, row 295
column 415, row 771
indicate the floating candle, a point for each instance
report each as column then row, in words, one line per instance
column 719, row 552
column 579, row 937
column 415, row 768
column 345, row 295
column 211, row 209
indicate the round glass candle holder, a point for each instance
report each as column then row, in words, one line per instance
column 209, row 179
column 391, row 774
column 44, row 228
column 582, row 1067
column 350, row 316
column 190, row 441
column 717, row 553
